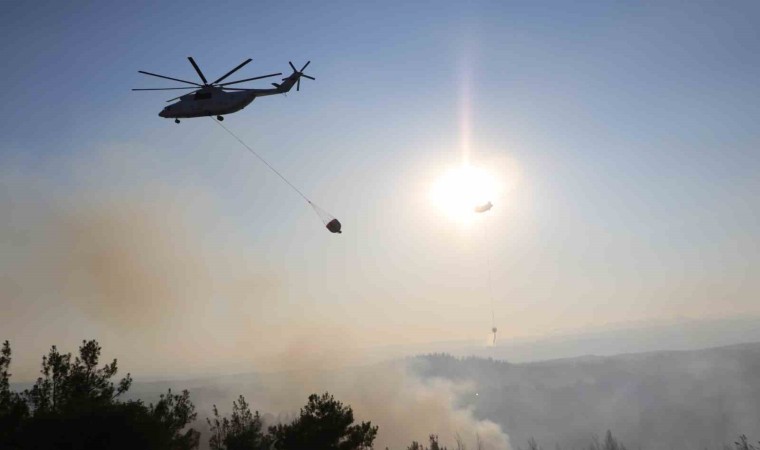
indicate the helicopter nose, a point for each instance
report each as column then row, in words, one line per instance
column 162, row 113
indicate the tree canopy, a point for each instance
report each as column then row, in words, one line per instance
column 242, row 431
column 324, row 423
column 74, row 404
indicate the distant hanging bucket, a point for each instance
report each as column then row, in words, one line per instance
column 483, row 208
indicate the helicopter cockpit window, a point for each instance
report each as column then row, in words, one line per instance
column 202, row 96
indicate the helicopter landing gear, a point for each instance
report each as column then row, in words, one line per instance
column 219, row 118
column 176, row 120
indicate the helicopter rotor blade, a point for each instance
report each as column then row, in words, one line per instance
column 292, row 66
column 306, row 76
column 197, row 69
column 298, row 84
column 251, row 79
column 168, row 78
column 304, row 66
column 233, row 71
column 165, row 89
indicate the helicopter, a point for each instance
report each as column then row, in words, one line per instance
column 215, row 98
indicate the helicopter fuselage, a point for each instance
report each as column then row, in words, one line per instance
column 216, row 98
column 208, row 102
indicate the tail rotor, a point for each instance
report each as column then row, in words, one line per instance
column 298, row 74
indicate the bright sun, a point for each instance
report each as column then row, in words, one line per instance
column 458, row 191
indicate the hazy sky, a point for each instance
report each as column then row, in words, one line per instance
column 624, row 134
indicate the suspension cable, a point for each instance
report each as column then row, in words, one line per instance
column 263, row 160
column 490, row 275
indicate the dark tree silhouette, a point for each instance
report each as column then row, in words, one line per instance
column 326, row 424
column 743, row 444
column 434, row 444
column 174, row 413
column 66, row 385
column 5, row 375
column 242, row 431
column 533, row 445
column 610, row 443
column 13, row 409
column 75, row 405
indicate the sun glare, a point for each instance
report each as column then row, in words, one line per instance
column 458, row 191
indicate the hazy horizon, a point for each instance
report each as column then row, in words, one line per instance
column 610, row 340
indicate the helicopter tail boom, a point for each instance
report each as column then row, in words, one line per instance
column 287, row 83
column 294, row 78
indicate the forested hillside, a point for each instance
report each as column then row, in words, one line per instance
column 690, row 399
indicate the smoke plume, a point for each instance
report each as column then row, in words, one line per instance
column 151, row 273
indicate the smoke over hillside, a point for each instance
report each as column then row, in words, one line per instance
column 659, row 400
column 673, row 400
column 161, row 287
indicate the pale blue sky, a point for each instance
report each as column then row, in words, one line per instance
column 633, row 127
